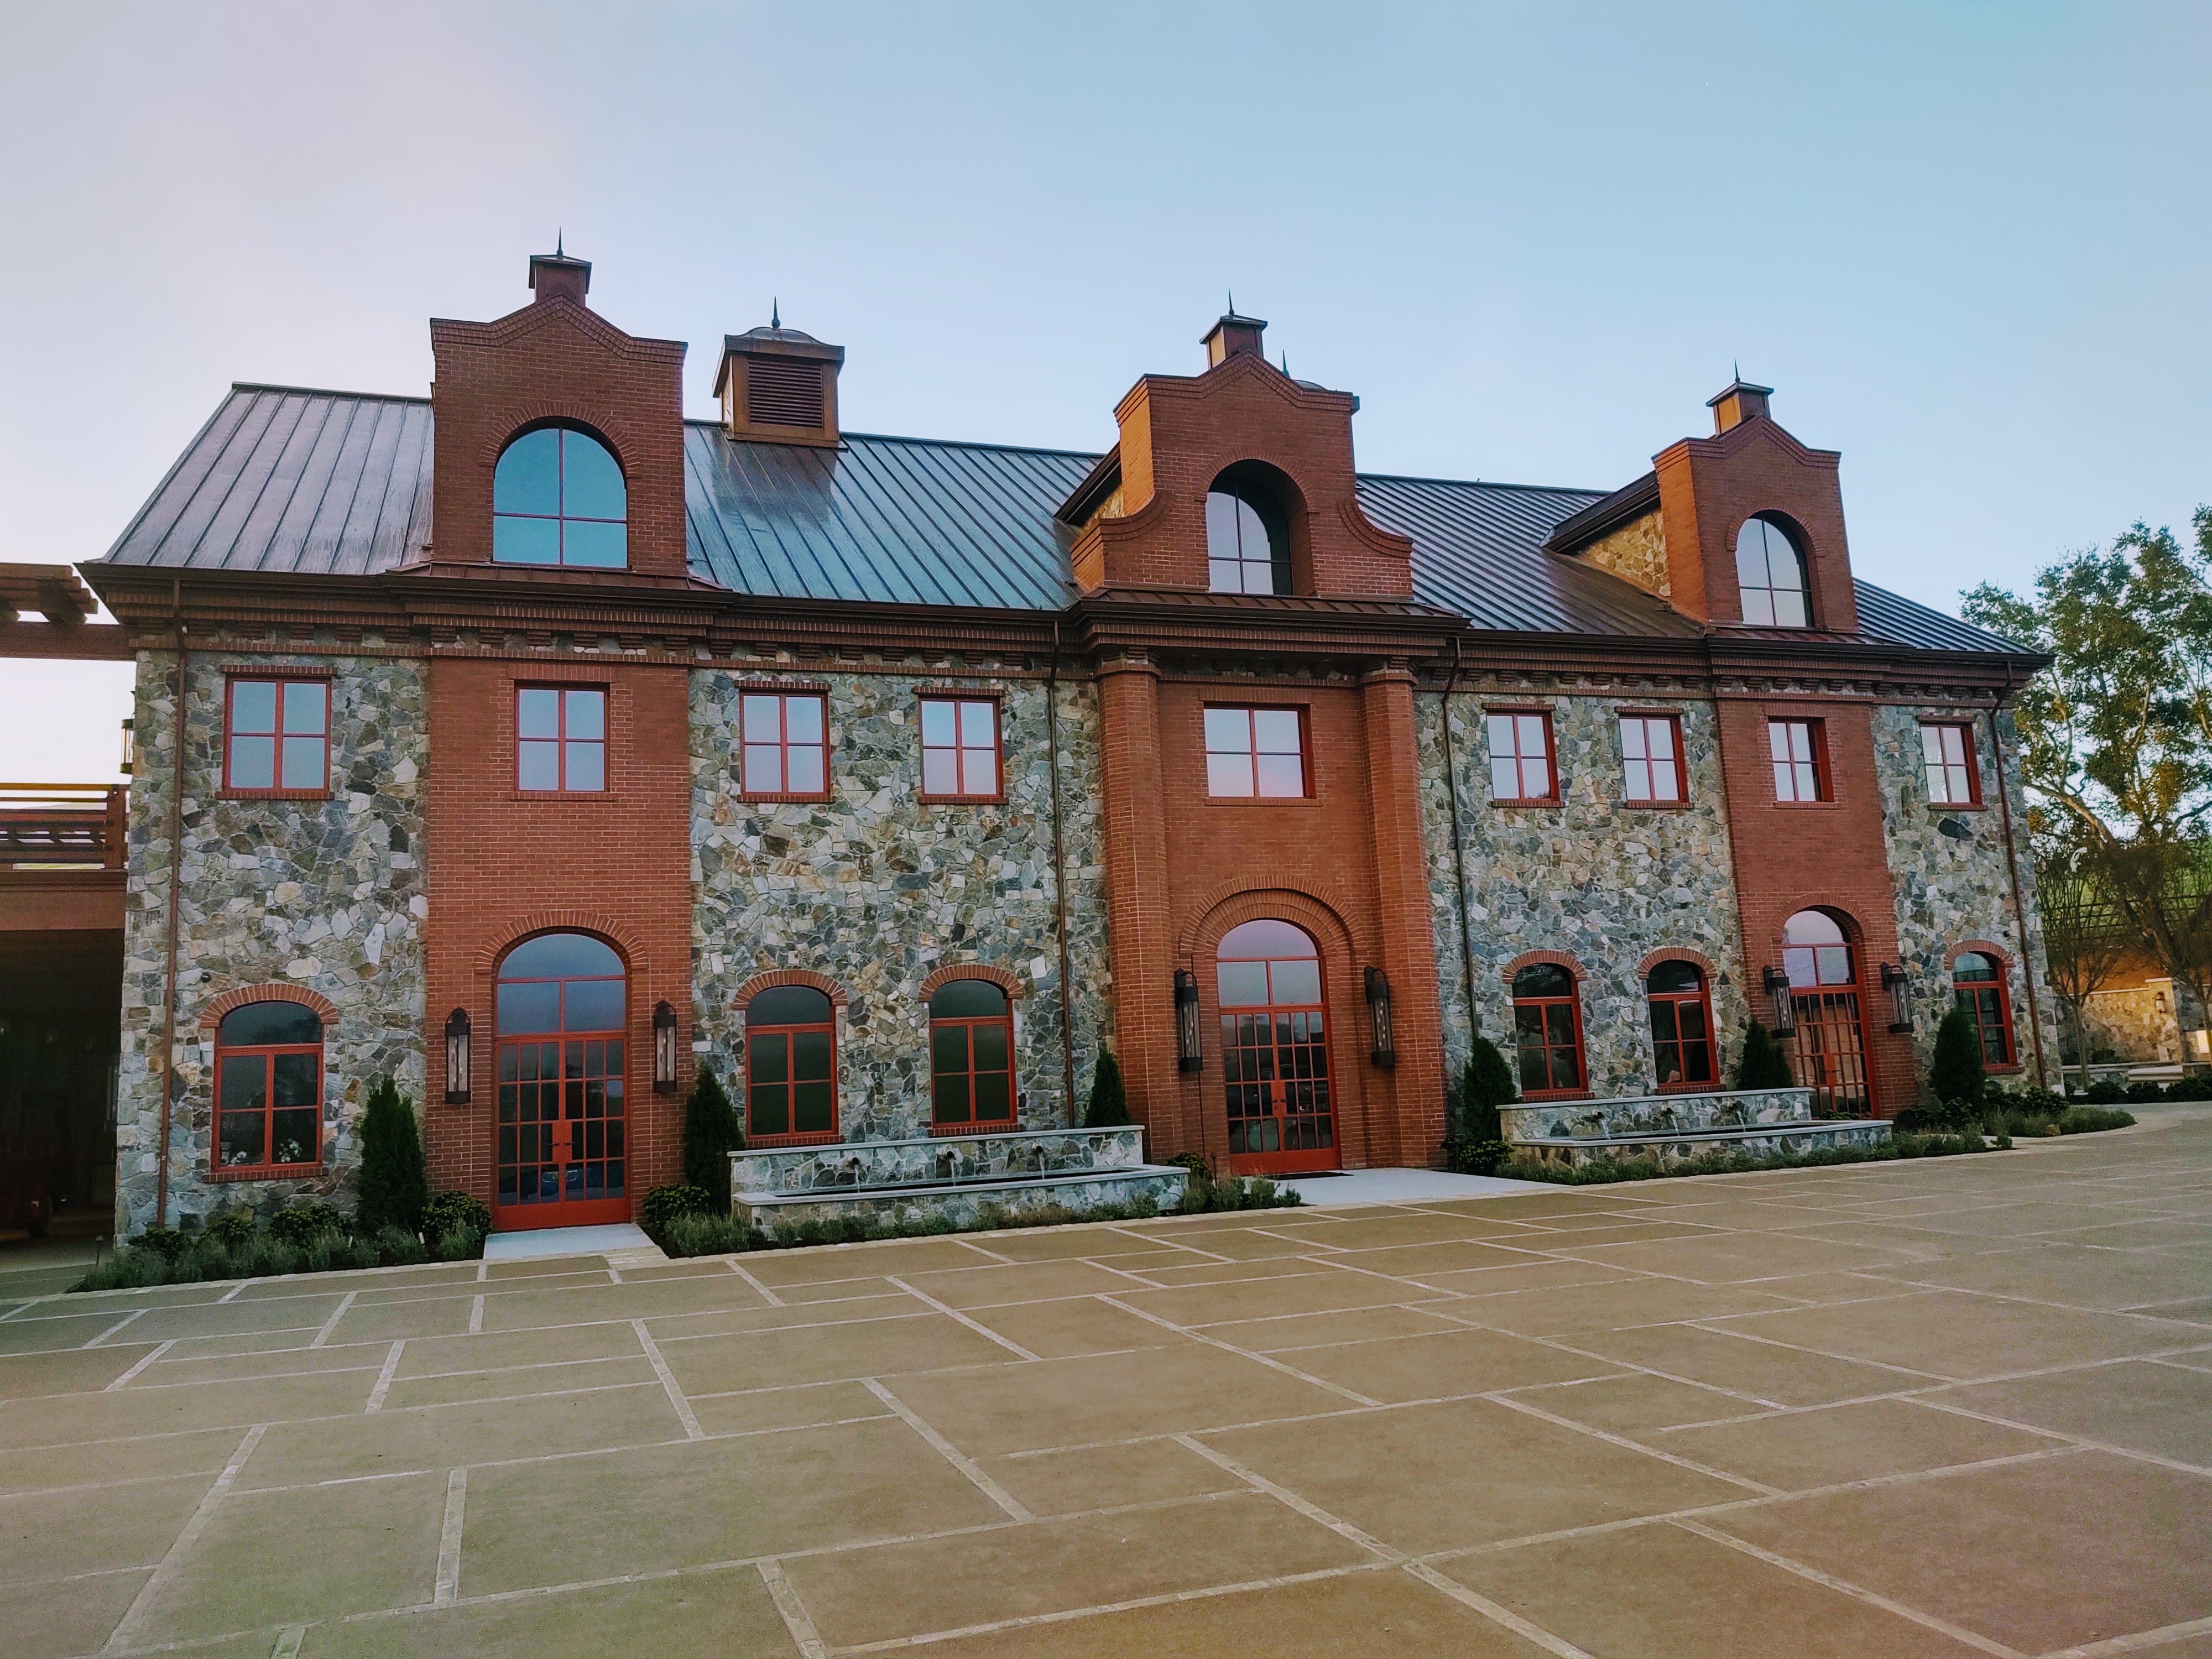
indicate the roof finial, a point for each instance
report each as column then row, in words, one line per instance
column 1232, row 303
column 1286, row 365
column 561, row 244
column 1735, row 369
column 776, row 313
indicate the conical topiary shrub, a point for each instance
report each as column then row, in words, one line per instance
column 394, row 1186
column 1762, row 1065
column 711, row 1133
column 1955, row 1074
column 1110, row 1097
column 1485, row 1085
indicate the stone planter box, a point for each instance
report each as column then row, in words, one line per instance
column 962, row 1202
column 1761, row 1141
column 1646, row 1114
column 855, row 1164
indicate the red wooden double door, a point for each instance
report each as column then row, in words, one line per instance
column 561, row 1085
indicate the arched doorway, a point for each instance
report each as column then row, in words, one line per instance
column 1274, row 1049
column 562, row 1040
column 1828, row 1049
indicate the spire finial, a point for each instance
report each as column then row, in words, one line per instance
column 1232, row 303
column 1735, row 369
column 776, row 313
column 561, row 244
column 1286, row 365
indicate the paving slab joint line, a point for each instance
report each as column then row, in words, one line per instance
column 796, row 1619
column 235, row 1291
column 1490, row 1610
column 2073, row 1442
column 287, row 1641
column 974, row 1325
column 2137, row 1641
column 684, row 1411
column 475, row 1317
column 1626, row 1444
column 165, row 1572
column 951, row 1453
column 322, row 1337
column 1272, row 1364
column 449, row 1538
column 135, row 1312
column 1844, row 1586
column 1283, row 1495
column 139, row 1366
column 766, row 1294
column 384, row 1378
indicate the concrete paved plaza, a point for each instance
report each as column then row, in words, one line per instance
column 1909, row 1409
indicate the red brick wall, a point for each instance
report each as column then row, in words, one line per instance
column 503, row 865
column 1709, row 486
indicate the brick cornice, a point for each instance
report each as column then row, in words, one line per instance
column 231, row 1001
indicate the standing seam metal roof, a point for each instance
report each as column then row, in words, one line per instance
column 331, row 483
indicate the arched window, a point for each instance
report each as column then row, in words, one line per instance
column 269, row 1089
column 1248, row 545
column 562, row 1009
column 558, row 498
column 1682, row 1026
column 971, row 1056
column 1828, row 1047
column 791, row 1042
column 1548, row 1030
column 1979, row 985
column 1275, row 1045
column 1770, row 572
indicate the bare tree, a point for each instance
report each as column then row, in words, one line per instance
column 2086, row 936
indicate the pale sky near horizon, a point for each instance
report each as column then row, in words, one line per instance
column 1967, row 243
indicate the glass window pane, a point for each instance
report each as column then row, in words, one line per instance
column 1665, row 1028
column 770, row 1108
column 295, row 1078
column 1243, row 984
column 789, row 1004
column 1228, row 731
column 764, row 770
column 1297, row 983
column 1790, row 610
column 591, row 479
column 244, row 1083
column 1224, row 576
column 1276, row 730
column 292, row 1138
column 940, row 771
column 994, row 1100
column 937, row 722
column 803, row 720
column 979, row 772
column 1751, row 555
column 594, row 1004
column 595, row 546
column 1228, row 774
column 528, row 1008
column 768, row 1057
column 240, row 1139
column 1639, row 781
column 253, row 762
column 966, row 999
column 990, row 1048
column 1280, row 775
column 810, row 1113
column 252, row 706
column 1506, row 779
column 588, row 766
column 561, row 955
column 586, row 713
column 537, row 713
column 1835, row 962
column 528, row 479
column 1543, row 979
column 1536, row 779
column 525, row 541
column 304, row 707
column 1531, row 734
column 1666, row 784
column 949, row 1102
column 948, row 1048
column 1501, row 734
column 1632, row 739
column 810, row 1057
column 806, row 771
column 303, row 764
column 261, row 1024
column 1931, row 744
column 1252, row 544
column 979, row 725
column 538, row 766
column 1221, row 525
column 761, row 718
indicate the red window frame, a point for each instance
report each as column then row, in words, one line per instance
column 968, row 1025
column 1646, row 725
column 755, row 1036
column 1700, row 998
column 1990, row 1002
column 1518, row 758
column 561, row 742
column 781, row 743
column 1550, row 1048
column 266, row 1054
column 960, row 749
column 275, row 736
column 1252, row 754
column 1817, row 757
column 1967, row 770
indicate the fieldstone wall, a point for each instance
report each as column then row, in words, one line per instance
column 325, row 894
column 1636, row 552
column 876, row 890
column 2135, row 1024
column 1947, row 869
column 1605, row 883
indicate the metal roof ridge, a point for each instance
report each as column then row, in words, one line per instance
column 329, row 392
column 1478, row 483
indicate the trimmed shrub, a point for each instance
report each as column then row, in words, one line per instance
column 663, row 1205
column 230, row 1228
column 1110, row 1097
column 2105, row 1092
column 299, row 1223
column 1762, row 1065
column 2088, row 1120
column 711, row 1133
column 454, row 1214
column 394, row 1186
column 2142, row 1091
column 1475, row 1140
column 1955, row 1075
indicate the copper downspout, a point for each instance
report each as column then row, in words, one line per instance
column 1459, row 855
column 1059, row 878
column 176, row 881
column 2012, row 868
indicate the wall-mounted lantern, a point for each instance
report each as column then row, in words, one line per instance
column 129, row 747
column 1384, row 1052
column 1899, row 986
column 1776, row 984
column 664, row 1049
column 1189, row 1057
column 457, row 1058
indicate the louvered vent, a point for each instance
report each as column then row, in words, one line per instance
column 783, row 392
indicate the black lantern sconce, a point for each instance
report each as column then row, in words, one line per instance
column 1899, row 986
column 664, row 1049
column 457, row 1058
column 1385, row 1050
column 1776, row 984
column 1189, row 1057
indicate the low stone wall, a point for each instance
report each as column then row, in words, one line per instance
column 1647, row 1115
column 1766, row 1141
column 962, row 1203
column 1026, row 1153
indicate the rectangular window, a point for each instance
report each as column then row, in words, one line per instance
column 1521, row 769
column 1800, row 750
column 1947, row 750
column 1255, row 752
column 959, row 749
column 1651, row 753
column 561, row 739
column 786, row 744
column 277, row 736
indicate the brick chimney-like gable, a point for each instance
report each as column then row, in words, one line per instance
column 1179, row 435
column 557, row 361
column 1708, row 487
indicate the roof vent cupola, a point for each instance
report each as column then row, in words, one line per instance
column 778, row 386
column 559, row 276
column 1234, row 336
column 1738, row 402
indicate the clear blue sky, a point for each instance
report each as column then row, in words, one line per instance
column 1967, row 243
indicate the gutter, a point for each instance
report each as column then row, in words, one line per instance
column 2019, row 906
column 1059, row 878
column 1459, row 855
column 176, row 894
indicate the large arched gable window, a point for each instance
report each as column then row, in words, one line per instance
column 269, row 1089
column 971, row 1057
column 1770, row 573
column 1548, row 1030
column 558, row 497
column 791, row 1064
column 1247, row 536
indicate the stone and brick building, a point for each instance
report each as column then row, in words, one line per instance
column 538, row 745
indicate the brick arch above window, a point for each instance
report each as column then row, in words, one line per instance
column 504, row 426
column 1013, row 984
column 231, row 1001
column 1317, row 908
column 1996, row 953
column 1554, row 959
column 1703, row 963
column 627, row 943
column 768, row 981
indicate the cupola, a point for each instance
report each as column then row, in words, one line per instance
column 1232, row 336
column 778, row 386
column 559, row 276
column 1737, row 402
